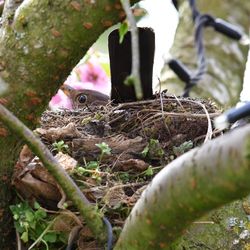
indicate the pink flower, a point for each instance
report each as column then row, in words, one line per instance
column 60, row 100
column 92, row 72
column 73, row 77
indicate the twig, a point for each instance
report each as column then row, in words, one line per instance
column 135, row 74
column 91, row 216
column 158, row 117
column 173, row 114
column 129, row 185
column 203, row 222
column 19, row 243
column 162, row 110
column 40, row 238
column 209, row 123
column 178, row 101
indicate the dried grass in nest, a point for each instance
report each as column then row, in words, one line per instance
column 158, row 127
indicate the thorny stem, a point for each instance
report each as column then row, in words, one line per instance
column 135, row 74
column 90, row 215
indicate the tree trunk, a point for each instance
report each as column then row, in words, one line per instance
column 40, row 42
column 225, row 57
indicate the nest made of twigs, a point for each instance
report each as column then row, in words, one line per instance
column 142, row 136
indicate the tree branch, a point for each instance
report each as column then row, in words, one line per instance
column 192, row 185
column 8, row 8
column 92, row 217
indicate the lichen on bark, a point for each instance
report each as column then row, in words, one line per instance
column 40, row 43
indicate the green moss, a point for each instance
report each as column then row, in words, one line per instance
column 38, row 50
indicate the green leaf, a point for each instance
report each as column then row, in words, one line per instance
column 184, row 147
column 60, row 146
column 81, row 170
column 130, row 81
column 65, row 205
column 124, row 177
column 29, row 216
column 153, row 150
column 145, row 151
column 149, row 171
column 18, row 227
column 92, row 165
column 13, row 209
column 31, row 223
column 50, row 237
column 40, row 214
column 25, row 237
column 104, row 148
column 16, row 216
column 123, row 29
column 36, row 205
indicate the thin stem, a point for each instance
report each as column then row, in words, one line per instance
column 90, row 215
column 135, row 74
column 40, row 238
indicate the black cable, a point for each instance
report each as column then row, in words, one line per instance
column 195, row 12
column 110, row 236
column 232, row 115
column 201, row 22
column 110, row 233
column 191, row 79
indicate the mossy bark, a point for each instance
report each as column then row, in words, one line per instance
column 225, row 57
column 40, row 42
column 192, row 185
column 222, row 228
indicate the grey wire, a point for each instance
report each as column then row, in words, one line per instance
column 201, row 21
column 195, row 11
column 110, row 233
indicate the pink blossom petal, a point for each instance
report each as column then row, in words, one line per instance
column 72, row 78
column 56, row 99
column 82, row 85
column 92, row 72
column 60, row 100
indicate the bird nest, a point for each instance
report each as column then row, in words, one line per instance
column 112, row 152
